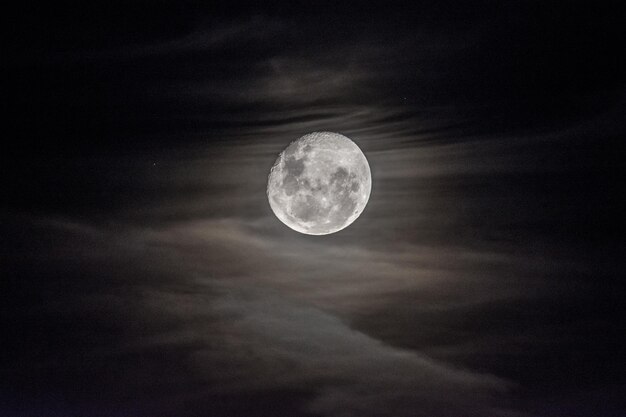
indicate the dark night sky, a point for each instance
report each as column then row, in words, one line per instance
column 144, row 274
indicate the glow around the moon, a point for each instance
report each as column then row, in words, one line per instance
column 319, row 184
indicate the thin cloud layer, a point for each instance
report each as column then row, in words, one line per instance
column 253, row 327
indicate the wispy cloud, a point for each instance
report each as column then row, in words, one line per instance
column 205, row 37
column 273, row 320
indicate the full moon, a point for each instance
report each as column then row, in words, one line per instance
column 319, row 184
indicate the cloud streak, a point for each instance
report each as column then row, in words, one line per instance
column 246, row 331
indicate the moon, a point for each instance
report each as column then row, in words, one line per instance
column 319, row 184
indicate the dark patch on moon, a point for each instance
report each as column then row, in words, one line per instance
column 347, row 206
column 307, row 211
column 290, row 184
column 339, row 175
column 294, row 166
column 293, row 169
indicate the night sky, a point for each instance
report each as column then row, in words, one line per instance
column 143, row 273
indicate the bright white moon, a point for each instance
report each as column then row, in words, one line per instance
column 319, row 184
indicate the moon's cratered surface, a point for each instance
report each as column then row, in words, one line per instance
column 319, row 184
